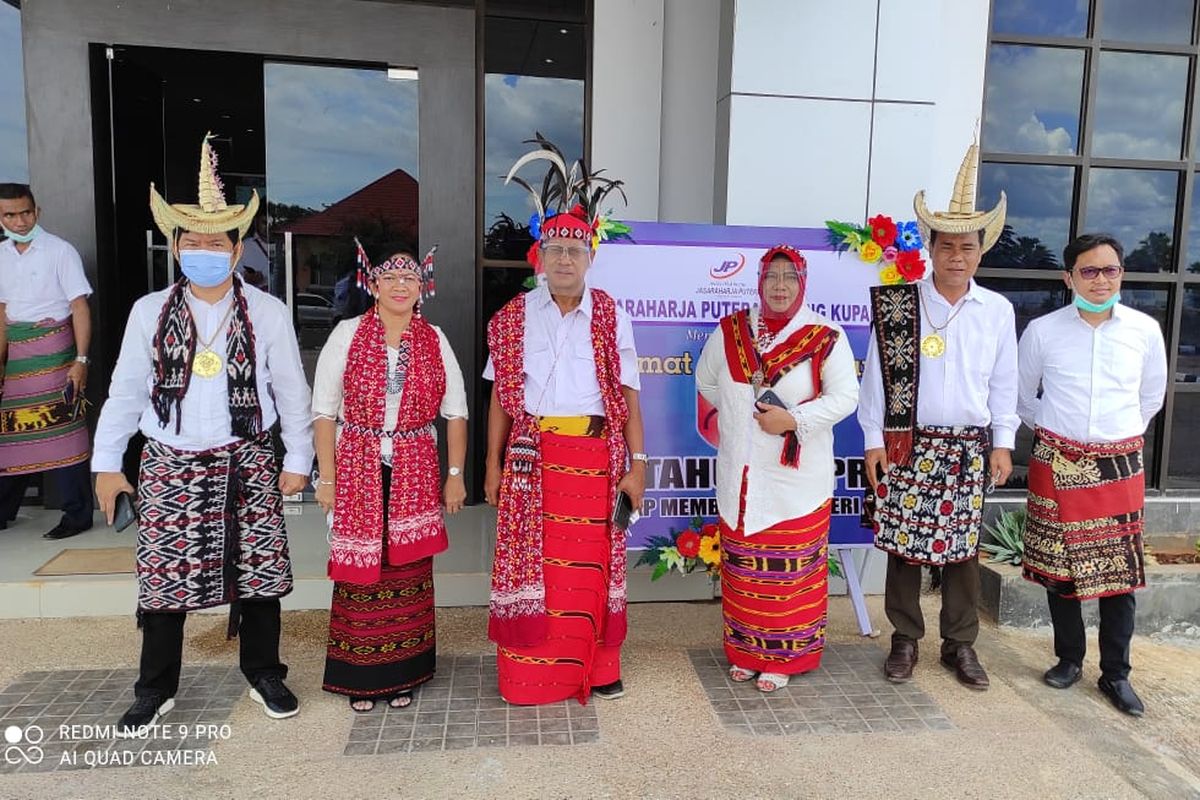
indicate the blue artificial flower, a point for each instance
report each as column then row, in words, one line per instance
column 908, row 236
column 535, row 226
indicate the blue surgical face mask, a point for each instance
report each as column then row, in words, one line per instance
column 205, row 268
column 1083, row 304
column 23, row 238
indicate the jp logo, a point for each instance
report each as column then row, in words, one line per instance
column 30, row 752
column 727, row 269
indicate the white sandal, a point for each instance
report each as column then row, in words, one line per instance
column 771, row 682
column 740, row 675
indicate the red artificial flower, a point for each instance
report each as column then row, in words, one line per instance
column 939, row 546
column 910, row 265
column 710, row 529
column 947, row 508
column 883, row 230
column 688, row 544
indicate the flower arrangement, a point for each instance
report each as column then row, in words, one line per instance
column 696, row 547
column 894, row 248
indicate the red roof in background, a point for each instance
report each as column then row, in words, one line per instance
column 392, row 197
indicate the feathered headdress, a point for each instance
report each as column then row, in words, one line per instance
column 423, row 270
column 210, row 214
column 568, row 205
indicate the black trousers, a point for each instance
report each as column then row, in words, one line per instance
column 1116, row 629
column 959, row 619
column 162, row 647
column 74, row 484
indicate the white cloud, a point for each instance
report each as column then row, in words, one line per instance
column 1032, row 99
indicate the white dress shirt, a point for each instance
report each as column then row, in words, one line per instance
column 41, row 282
column 973, row 383
column 331, row 370
column 204, row 416
column 560, row 367
column 775, row 493
column 1099, row 384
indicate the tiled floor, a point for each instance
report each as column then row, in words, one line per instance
column 461, row 707
column 847, row 694
column 36, row 706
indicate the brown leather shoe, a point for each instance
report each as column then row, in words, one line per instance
column 900, row 661
column 966, row 667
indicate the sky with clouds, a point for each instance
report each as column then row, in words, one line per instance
column 14, row 152
column 332, row 130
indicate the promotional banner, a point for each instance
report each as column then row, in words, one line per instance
column 676, row 281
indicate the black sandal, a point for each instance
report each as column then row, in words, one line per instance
column 358, row 710
column 401, row 699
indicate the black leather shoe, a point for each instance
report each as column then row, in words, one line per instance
column 1063, row 675
column 65, row 530
column 609, row 691
column 966, row 667
column 1121, row 694
column 898, row 668
column 144, row 712
column 276, row 699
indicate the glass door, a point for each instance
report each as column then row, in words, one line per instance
column 341, row 163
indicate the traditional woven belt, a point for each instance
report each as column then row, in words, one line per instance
column 410, row 433
column 591, row 427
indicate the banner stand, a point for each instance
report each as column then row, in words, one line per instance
column 845, row 556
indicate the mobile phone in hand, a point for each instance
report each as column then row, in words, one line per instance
column 622, row 515
column 124, row 514
column 769, row 398
column 69, row 393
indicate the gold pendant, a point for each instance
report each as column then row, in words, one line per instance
column 933, row 345
column 207, row 364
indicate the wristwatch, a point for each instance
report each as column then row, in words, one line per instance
column 639, row 457
column 454, row 472
column 82, row 359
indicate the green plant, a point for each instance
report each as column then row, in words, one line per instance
column 1008, row 537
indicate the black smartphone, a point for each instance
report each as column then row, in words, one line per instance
column 124, row 514
column 769, row 398
column 622, row 511
column 69, row 394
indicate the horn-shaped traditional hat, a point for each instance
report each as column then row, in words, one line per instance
column 211, row 214
column 962, row 216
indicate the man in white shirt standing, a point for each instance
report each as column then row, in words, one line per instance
column 206, row 368
column 45, row 330
column 1102, row 370
column 940, row 370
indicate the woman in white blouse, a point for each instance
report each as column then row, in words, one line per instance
column 780, row 376
column 381, row 381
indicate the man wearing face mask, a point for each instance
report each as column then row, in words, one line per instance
column 206, row 369
column 45, row 329
column 1102, row 370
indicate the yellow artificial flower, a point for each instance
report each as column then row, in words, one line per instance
column 710, row 550
column 870, row 252
column 889, row 275
column 595, row 241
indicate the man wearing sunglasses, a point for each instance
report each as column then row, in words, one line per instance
column 1102, row 370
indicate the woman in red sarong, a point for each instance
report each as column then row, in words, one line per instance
column 780, row 376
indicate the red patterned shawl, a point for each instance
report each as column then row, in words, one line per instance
column 415, row 525
column 517, row 615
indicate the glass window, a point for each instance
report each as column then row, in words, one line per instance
column 1038, row 223
column 1032, row 100
column 1149, row 298
column 1187, row 370
column 1151, row 21
column 1030, row 299
column 1040, row 17
column 1183, row 469
column 534, row 84
column 14, row 149
column 1139, row 106
column 1138, row 207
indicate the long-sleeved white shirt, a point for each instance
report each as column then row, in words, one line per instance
column 1100, row 384
column 560, row 364
column 775, row 493
column 331, row 369
column 973, row 383
column 204, row 416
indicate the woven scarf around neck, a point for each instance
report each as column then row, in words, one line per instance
column 415, row 524
column 174, row 348
column 517, row 612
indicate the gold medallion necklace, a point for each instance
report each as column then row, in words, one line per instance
column 206, row 363
column 933, row 345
